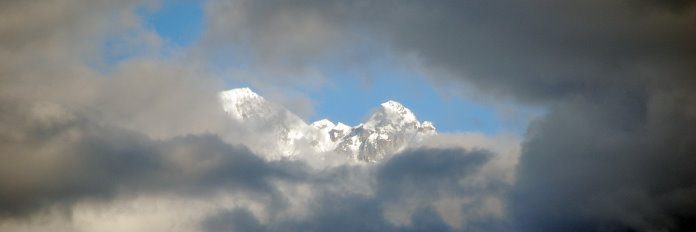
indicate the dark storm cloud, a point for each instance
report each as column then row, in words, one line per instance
column 53, row 157
column 675, row 5
column 534, row 50
column 541, row 51
column 615, row 151
column 608, row 173
column 83, row 140
column 233, row 220
column 422, row 175
column 425, row 167
column 56, row 158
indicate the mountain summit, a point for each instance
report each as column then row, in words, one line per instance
column 388, row 130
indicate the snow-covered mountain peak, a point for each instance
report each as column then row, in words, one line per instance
column 341, row 126
column 393, row 105
column 283, row 134
column 394, row 114
column 323, row 124
column 242, row 92
column 395, row 109
column 242, row 103
column 240, row 95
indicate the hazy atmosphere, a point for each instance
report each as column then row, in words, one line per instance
column 323, row 115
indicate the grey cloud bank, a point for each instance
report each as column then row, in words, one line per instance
column 615, row 151
column 61, row 161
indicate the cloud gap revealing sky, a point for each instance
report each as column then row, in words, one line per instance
column 240, row 115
